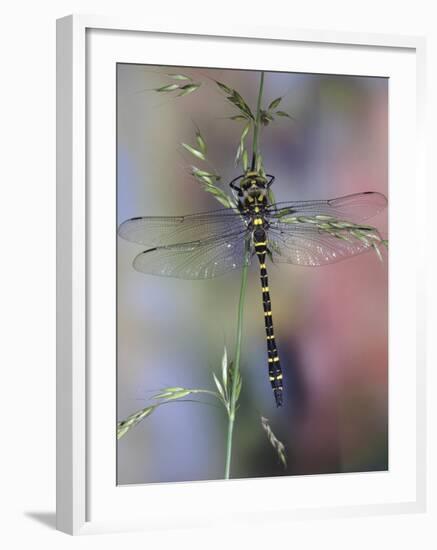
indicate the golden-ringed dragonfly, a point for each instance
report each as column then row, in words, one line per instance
column 209, row 244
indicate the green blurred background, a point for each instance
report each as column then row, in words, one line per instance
column 330, row 322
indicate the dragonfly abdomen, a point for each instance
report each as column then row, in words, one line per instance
column 275, row 371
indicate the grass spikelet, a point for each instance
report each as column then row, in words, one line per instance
column 201, row 142
column 223, row 87
column 237, row 100
column 194, row 151
column 275, row 103
column 225, row 368
column 131, row 421
column 226, row 385
column 278, row 446
column 206, row 178
column 167, row 88
column 169, row 394
column 185, row 87
column 368, row 235
column 166, row 395
column 188, row 89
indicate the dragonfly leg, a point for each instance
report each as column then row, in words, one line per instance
column 236, row 187
column 269, row 183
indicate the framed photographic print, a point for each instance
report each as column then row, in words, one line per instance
column 237, row 321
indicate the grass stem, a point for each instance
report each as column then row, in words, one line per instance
column 257, row 123
column 236, row 365
column 243, row 286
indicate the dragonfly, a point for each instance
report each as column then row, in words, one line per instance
column 209, row 244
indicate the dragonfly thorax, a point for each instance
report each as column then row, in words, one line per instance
column 253, row 196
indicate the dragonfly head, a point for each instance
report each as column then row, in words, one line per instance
column 253, row 181
column 252, row 188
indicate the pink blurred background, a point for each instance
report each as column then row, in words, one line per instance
column 330, row 322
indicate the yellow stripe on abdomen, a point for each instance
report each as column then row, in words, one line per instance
column 274, row 365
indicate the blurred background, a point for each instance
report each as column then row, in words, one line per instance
column 330, row 322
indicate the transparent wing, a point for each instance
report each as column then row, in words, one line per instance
column 356, row 207
column 307, row 245
column 195, row 260
column 164, row 230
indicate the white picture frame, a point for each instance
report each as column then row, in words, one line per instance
column 83, row 488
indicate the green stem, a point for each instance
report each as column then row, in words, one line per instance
column 257, row 123
column 236, row 366
column 243, row 285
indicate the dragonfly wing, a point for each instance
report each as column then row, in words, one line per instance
column 164, row 230
column 195, row 260
column 307, row 245
column 356, row 207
